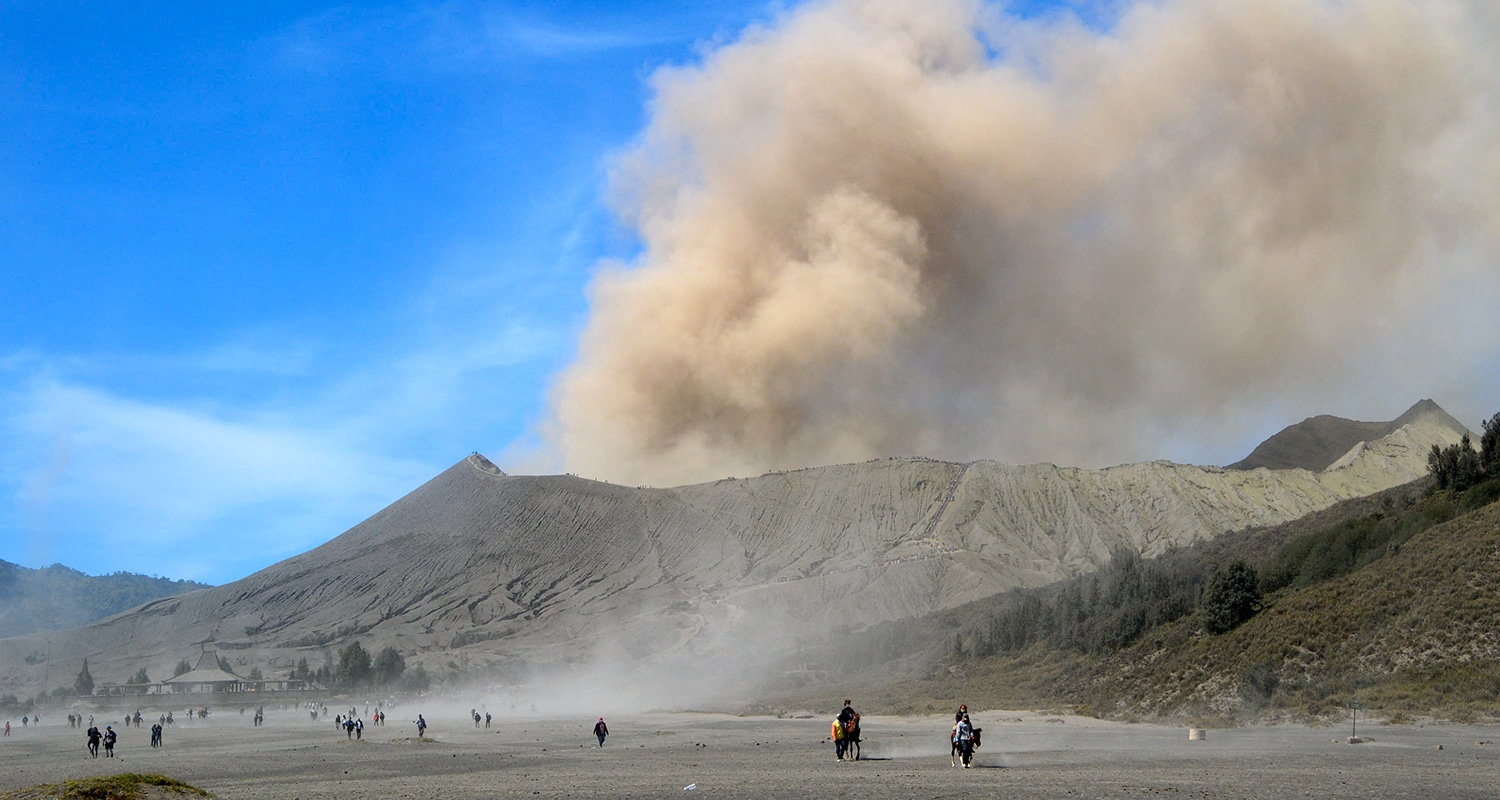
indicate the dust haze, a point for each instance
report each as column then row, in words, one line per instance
column 926, row 227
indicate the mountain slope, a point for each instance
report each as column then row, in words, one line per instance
column 488, row 573
column 1402, row 621
column 1384, row 632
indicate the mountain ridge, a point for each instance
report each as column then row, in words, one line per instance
column 57, row 597
column 479, row 572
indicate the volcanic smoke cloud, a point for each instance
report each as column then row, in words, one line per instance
column 890, row 227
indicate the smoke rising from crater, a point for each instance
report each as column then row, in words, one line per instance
column 892, row 227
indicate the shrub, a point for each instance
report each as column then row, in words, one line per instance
column 1258, row 684
column 1481, row 494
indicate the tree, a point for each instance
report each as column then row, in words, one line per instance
column 388, row 666
column 1232, row 596
column 256, row 674
column 1456, row 466
column 182, row 668
column 84, row 683
column 1489, row 447
column 354, row 666
column 302, row 672
column 140, row 678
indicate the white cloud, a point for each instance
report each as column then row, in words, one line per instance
column 149, row 483
column 460, row 36
column 212, row 463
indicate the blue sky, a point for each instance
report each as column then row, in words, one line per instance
column 267, row 267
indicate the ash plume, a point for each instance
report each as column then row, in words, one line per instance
column 892, row 227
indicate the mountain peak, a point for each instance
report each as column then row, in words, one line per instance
column 1428, row 411
column 1318, row 442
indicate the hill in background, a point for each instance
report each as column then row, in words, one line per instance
column 1389, row 600
column 483, row 577
column 57, row 597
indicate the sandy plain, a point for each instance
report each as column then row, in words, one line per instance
column 659, row 755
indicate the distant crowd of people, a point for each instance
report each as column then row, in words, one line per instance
column 963, row 736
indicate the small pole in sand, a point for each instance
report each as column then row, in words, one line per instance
column 1354, row 706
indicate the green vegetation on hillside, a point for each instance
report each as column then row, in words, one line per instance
column 1395, row 607
column 1391, row 599
column 128, row 786
column 1410, row 633
column 56, row 597
column 1097, row 613
column 1114, row 607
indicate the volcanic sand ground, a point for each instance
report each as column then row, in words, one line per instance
column 657, row 755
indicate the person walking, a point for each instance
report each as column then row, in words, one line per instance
column 94, row 737
column 109, row 741
column 601, row 730
column 7, row 727
column 421, row 727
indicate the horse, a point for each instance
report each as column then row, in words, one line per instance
column 851, row 738
column 963, row 750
